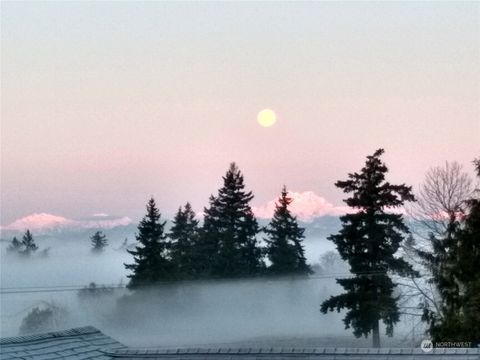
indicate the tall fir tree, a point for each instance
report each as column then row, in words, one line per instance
column 284, row 243
column 29, row 246
column 99, row 241
column 369, row 239
column 152, row 263
column 228, row 238
column 184, row 235
column 455, row 263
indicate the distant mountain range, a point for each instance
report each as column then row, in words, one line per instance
column 48, row 225
column 47, row 222
column 317, row 215
column 45, row 225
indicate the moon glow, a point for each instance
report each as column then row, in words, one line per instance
column 266, row 118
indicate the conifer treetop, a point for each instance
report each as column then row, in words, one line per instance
column 151, row 259
column 99, row 241
column 369, row 188
column 229, row 230
column 28, row 243
column 284, row 242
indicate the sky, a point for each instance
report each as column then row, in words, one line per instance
column 104, row 104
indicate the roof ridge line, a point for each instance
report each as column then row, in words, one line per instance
column 281, row 350
column 85, row 330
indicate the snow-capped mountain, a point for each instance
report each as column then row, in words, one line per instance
column 43, row 223
column 306, row 206
column 46, row 225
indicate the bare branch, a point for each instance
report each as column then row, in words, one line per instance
column 441, row 199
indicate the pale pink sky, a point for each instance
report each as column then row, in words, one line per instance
column 107, row 103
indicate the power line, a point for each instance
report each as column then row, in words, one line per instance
column 67, row 288
column 48, row 290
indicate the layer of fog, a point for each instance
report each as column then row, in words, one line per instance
column 258, row 312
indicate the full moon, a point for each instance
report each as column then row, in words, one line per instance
column 266, row 118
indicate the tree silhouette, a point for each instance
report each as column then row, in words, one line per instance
column 184, row 235
column 284, row 243
column 99, row 241
column 151, row 259
column 29, row 246
column 228, row 244
column 369, row 239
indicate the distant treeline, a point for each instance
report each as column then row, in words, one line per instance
column 27, row 246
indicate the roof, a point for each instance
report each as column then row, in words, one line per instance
column 298, row 354
column 90, row 343
column 79, row 343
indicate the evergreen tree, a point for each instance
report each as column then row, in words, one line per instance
column 16, row 245
column 455, row 262
column 369, row 239
column 229, row 247
column 151, row 258
column 29, row 246
column 184, row 236
column 284, row 243
column 99, row 241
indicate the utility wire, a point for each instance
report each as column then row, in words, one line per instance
column 67, row 288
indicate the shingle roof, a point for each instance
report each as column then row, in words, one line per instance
column 79, row 343
column 299, row 354
column 90, row 343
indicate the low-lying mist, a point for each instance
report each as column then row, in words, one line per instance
column 244, row 312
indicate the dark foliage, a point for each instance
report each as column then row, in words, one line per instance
column 184, row 235
column 369, row 239
column 152, row 263
column 284, row 242
column 29, row 246
column 228, row 245
column 99, row 241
